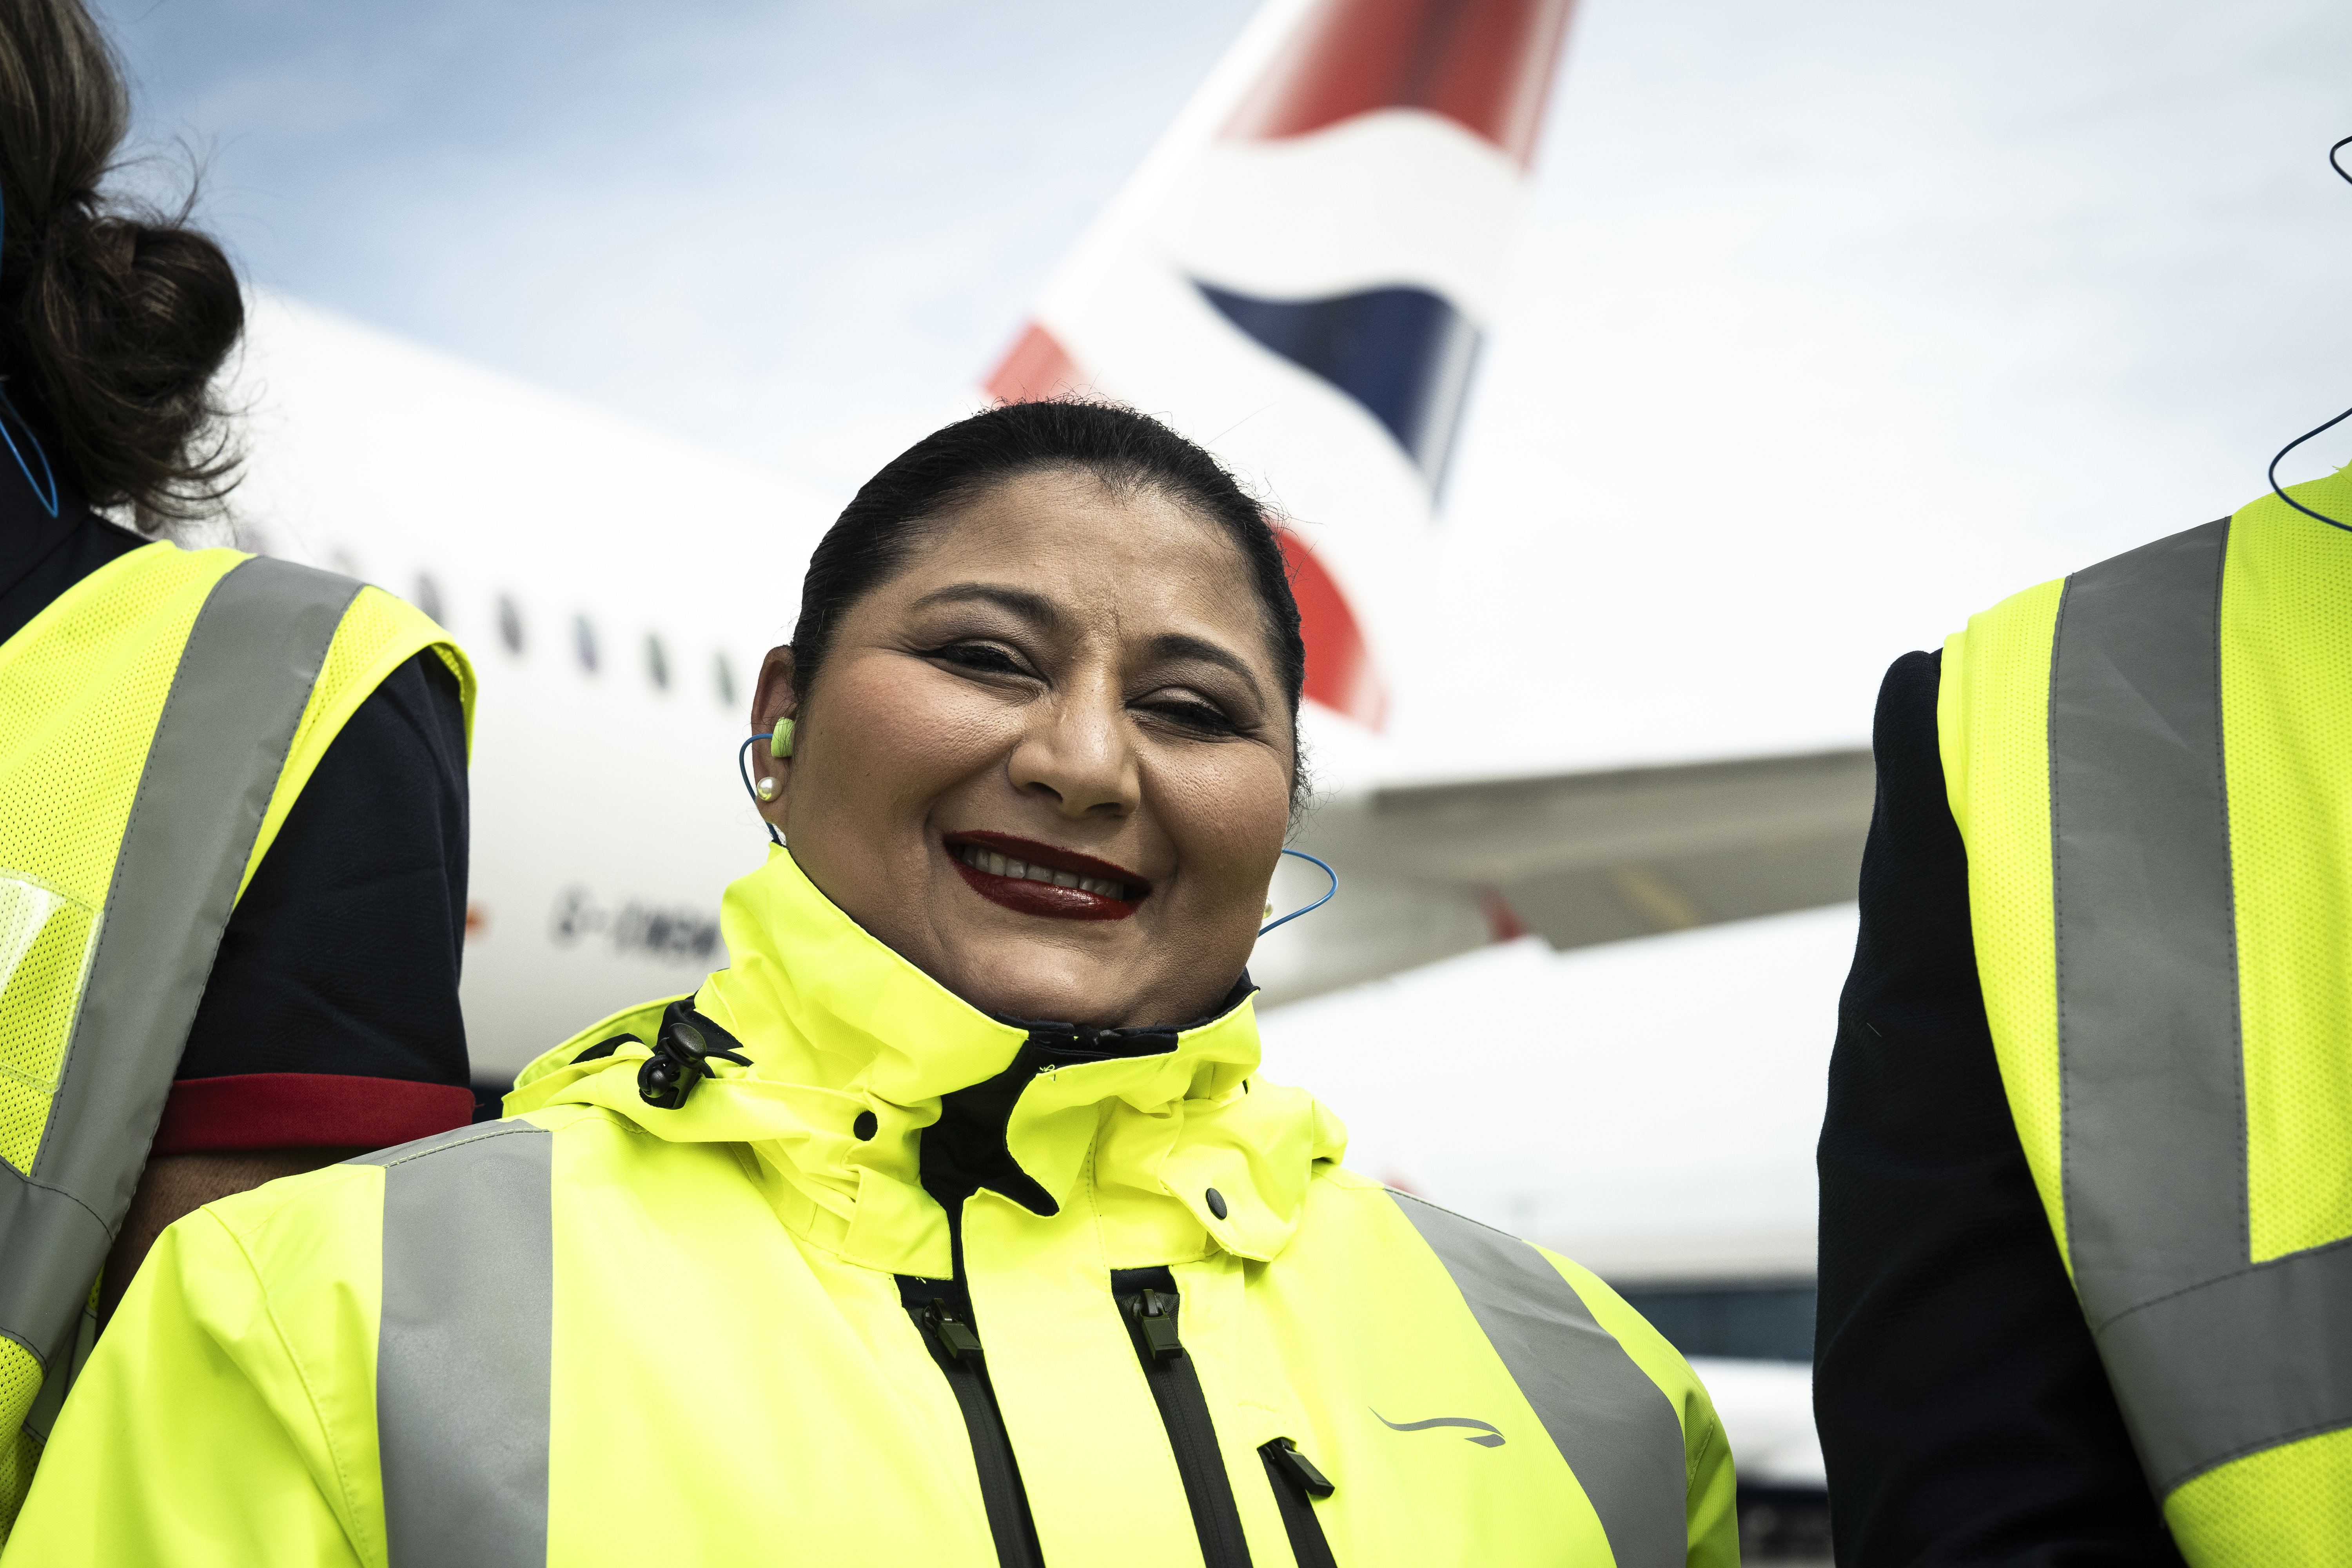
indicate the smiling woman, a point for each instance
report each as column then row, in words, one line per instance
column 952, row 1214
column 1058, row 637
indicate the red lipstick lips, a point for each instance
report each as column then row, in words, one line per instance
column 1039, row 880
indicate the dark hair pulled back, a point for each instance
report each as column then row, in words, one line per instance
column 117, row 317
column 892, row 515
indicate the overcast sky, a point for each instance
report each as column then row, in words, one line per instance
column 1830, row 322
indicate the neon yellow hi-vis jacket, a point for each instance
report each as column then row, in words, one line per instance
column 1164, row 1328
column 158, row 720
column 2150, row 762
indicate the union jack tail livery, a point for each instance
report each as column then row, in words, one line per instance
column 1299, row 277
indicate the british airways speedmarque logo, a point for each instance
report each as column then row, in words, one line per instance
column 1487, row 1436
column 1405, row 354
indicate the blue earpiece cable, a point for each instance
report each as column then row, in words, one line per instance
column 1328, row 894
column 2345, row 176
column 744, row 766
column 48, row 502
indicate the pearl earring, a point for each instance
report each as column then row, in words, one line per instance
column 766, row 789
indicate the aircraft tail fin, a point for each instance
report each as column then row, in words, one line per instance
column 1299, row 277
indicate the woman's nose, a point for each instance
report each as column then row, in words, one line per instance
column 1079, row 755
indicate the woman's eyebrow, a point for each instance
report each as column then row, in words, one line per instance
column 1021, row 601
column 1179, row 644
column 1037, row 607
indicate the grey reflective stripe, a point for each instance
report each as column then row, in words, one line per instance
column 2237, row 1365
column 464, row 1356
column 2147, row 950
column 1616, row 1429
column 51, row 1399
column 244, row 677
column 2211, row 1356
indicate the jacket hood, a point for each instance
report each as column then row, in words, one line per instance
column 1137, row 1125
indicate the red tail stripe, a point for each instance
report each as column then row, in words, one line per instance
column 1485, row 63
column 1339, row 672
column 1033, row 369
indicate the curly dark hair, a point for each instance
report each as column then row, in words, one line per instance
column 117, row 318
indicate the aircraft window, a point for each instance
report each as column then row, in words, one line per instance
column 429, row 596
column 726, row 683
column 583, row 637
column 1745, row 1320
column 656, row 662
column 510, row 624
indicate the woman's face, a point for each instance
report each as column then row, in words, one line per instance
column 1050, row 762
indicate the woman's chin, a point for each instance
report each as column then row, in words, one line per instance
column 1018, row 980
column 1013, row 977
column 1045, row 986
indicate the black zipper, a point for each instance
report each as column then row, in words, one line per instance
column 945, row 1319
column 1296, row 1484
column 1148, row 1301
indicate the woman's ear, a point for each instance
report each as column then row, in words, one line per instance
column 774, row 702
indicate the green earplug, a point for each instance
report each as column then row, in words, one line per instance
column 779, row 744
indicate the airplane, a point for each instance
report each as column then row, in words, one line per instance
column 1300, row 275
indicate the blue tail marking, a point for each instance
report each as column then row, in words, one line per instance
column 1405, row 354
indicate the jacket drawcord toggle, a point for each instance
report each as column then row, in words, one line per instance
column 683, row 1052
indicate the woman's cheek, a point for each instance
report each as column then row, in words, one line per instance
column 917, row 736
column 1227, row 817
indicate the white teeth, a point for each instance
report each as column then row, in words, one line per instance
column 996, row 865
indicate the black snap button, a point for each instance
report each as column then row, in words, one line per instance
column 1216, row 1202
column 866, row 1126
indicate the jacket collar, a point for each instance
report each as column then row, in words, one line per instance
column 1136, row 1125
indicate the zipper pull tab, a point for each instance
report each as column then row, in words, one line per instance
column 1155, row 1328
column 1299, row 1467
column 955, row 1336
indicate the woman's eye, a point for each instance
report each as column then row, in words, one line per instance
column 1195, row 716
column 985, row 657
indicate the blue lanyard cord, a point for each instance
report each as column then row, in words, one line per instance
column 744, row 766
column 1329, row 893
column 2345, row 176
column 49, row 501
column 2290, row 447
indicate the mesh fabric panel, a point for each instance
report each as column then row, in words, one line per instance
column 45, row 947
column 82, row 687
column 20, row 1381
column 1992, row 719
column 2286, row 712
column 81, row 690
column 2288, row 1505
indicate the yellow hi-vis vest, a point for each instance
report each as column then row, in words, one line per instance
column 603, row 1332
column 157, row 722
column 2151, row 764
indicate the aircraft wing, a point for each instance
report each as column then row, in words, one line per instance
column 1431, row 870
